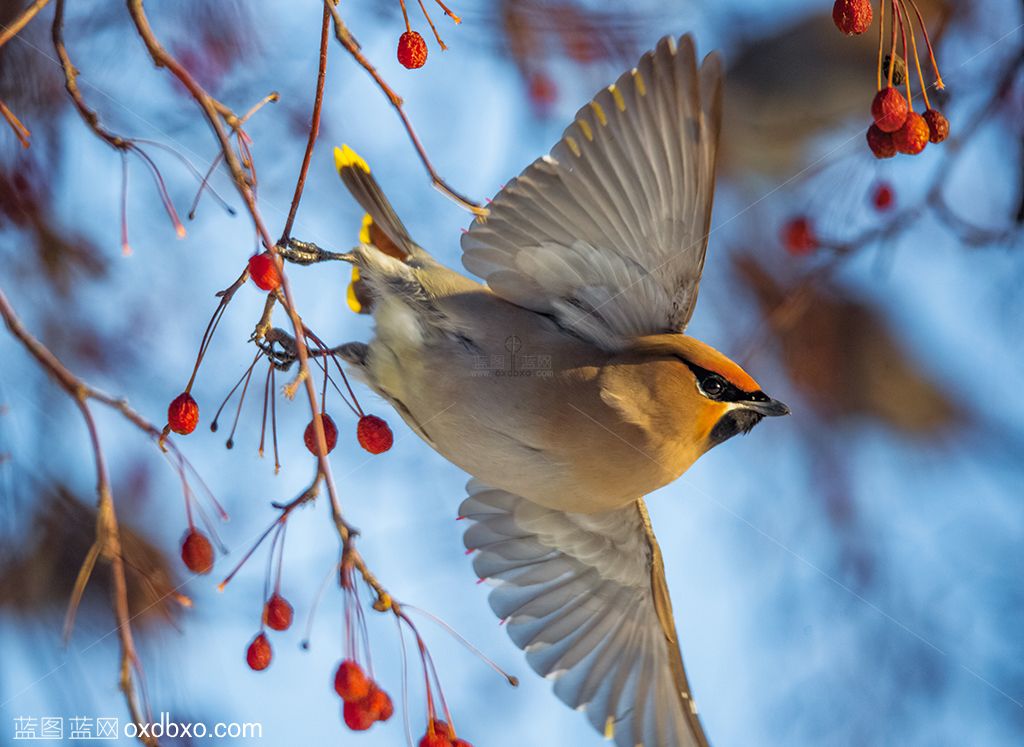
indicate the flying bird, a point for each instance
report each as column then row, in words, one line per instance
column 565, row 383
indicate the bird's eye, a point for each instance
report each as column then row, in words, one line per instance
column 713, row 386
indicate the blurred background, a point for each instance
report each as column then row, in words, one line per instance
column 851, row 576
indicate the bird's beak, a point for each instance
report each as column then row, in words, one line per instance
column 771, row 407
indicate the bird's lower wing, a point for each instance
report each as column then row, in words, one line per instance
column 585, row 596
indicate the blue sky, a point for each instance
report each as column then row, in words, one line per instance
column 783, row 643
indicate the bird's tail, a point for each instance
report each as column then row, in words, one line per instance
column 382, row 228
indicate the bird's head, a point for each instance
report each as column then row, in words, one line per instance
column 701, row 395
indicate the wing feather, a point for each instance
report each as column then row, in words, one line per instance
column 585, row 596
column 608, row 233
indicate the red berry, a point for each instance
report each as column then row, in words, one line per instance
column 183, row 414
column 852, row 16
column 889, row 109
column 357, row 715
column 350, row 682
column 883, row 197
column 438, row 735
column 197, row 552
column 542, row 90
column 461, row 743
column 330, row 435
column 379, row 703
column 798, row 237
column 412, row 50
column 881, row 143
column 912, row 136
column 263, row 271
column 277, row 613
column 374, row 434
column 259, row 654
column 938, row 125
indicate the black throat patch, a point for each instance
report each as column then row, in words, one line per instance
column 733, row 423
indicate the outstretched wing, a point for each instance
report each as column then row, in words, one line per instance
column 608, row 232
column 585, row 596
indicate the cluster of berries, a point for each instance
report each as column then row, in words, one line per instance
column 365, row 703
column 897, row 128
column 277, row 615
column 372, row 433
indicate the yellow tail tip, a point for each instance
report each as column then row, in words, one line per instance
column 345, row 157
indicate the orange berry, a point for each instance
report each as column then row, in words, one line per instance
column 197, row 552
column 881, row 143
column 437, row 735
column 412, row 50
column 542, row 90
column 357, row 715
column 374, row 434
column 263, row 271
column 889, row 109
column 259, row 654
column 912, row 137
column 330, row 435
column 798, row 237
column 379, row 703
column 350, row 682
column 277, row 613
column 938, row 125
column 852, row 16
column 883, row 197
column 183, row 414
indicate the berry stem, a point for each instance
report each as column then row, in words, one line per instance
column 241, row 400
column 227, row 579
column 448, row 12
column 881, row 40
column 433, row 28
column 405, row 15
column 931, row 53
column 280, row 558
column 892, row 42
column 225, row 298
column 512, row 680
column 161, row 188
column 903, row 34
column 126, row 248
column 917, row 59
column 273, row 418
column 245, row 378
column 203, row 184
column 266, row 405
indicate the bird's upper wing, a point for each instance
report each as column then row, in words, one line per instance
column 585, row 596
column 608, row 232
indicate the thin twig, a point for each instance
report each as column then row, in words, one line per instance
column 20, row 131
column 314, row 125
column 89, row 115
column 108, row 537
column 12, row 30
column 345, row 39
